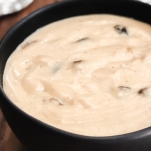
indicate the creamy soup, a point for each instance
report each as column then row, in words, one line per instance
column 90, row 75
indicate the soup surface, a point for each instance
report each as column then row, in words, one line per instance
column 89, row 75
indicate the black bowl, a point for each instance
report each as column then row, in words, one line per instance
column 36, row 135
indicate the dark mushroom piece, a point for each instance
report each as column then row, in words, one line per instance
column 121, row 29
column 144, row 92
column 82, row 39
column 79, row 61
column 76, row 66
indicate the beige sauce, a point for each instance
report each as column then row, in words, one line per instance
column 89, row 75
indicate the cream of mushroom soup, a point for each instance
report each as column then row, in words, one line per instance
column 89, row 75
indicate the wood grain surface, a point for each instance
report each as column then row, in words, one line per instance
column 8, row 141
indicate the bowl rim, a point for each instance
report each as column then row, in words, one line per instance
column 122, row 137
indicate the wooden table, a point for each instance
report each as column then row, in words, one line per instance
column 8, row 141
